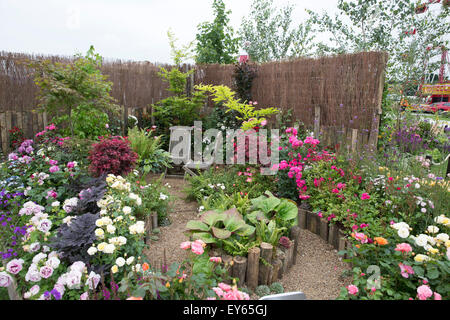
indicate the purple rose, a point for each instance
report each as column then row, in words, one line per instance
column 5, row 279
column 14, row 266
column 44, row 225
column 46, row 272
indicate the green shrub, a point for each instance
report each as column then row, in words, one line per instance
column 276, row 288
column 262, row 291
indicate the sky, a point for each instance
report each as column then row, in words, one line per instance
column 125, row 29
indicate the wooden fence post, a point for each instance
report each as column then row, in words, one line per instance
column 324, row 229
column 317, row 122
column 295, row 235
column 253, row 267
column 239, row 269
column 265, row 264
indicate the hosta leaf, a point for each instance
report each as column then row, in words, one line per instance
column 287, row 210
column 197, row 225
column 265, row 204
column 205, row 236
column 221, row 233
column 212, row 217
column 246, row 231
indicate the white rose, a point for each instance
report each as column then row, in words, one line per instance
column 99, row 233
column 126, row 210
column 92, row 250
column 120, row 261
column 403, row 233
column 433, row 229
column 421, row 240
column 442, row 237
column 110, row 228
column 109, row 248
column 55, row 204
column 130, row 260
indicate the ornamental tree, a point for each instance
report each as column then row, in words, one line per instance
column 215, row 40
column 77, row 90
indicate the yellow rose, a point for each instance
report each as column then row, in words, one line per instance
column 421, row 258
column 433, row 250
column 447, row 243
column 114, row 269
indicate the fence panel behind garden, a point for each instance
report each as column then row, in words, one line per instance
column 340, row 96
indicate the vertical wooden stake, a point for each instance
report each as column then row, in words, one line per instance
column 281, row 256
column 264, row 267
column 324, row 229
column 332, row 236
column 317, row 122
column 227, row 261
column 341, row 241
column 155, row 220
column 276, row 266
column 291, row 254
column 239, row 269
column 295, row 235
column 301, row 218
column 253, row 268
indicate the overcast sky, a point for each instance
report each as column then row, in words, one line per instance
column 126, row 29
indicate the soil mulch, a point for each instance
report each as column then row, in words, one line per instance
column 317, row 272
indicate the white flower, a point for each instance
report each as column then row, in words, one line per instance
column 442, row 237
column 110, row 228
column 93, row 280
column 423, row 210
column 120, row 261
column 92, row 250
column 55, row 204
column 53, row 262
column 201, row 208
column 433, row 229
column 403, row 232
column 421, row 240
column 40, row 256
column 417, row 186
column 109, row 248
column 99, row 222
column 126, row 210
column 73, row 280
column 130, row 260
column 99, row 233
column 162, row 196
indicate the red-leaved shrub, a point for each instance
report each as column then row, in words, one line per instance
column 113, row 155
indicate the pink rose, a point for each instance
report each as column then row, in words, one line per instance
column 424, row 292
column 14, row 266
column 54, row 169
column 185, row 245
column 437, row 296
column 365, row 196
column 352, row 289
column 53, row 162
column 405, row 270
column 70, row 164
column 403, row 247
column 46, row 272
column 197, row 248
column 224, row 286
column 5, row 280
column 216, row 259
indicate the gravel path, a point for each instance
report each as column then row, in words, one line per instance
column 317, row 272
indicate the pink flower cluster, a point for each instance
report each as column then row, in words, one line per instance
column 352, row 289
column 424, row 292
column 196, row 246
column 405, row 270
column 403, row 247
column 227, row 292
